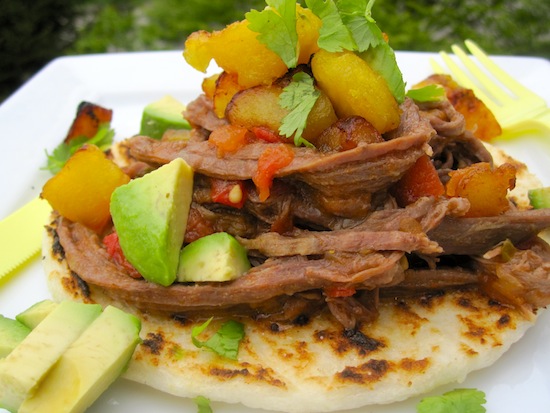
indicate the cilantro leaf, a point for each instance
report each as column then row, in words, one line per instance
column 365, row 33
column 61, row 154
column 357, row 16
column 224, row 342
column 203, row 404
column 347, row 24
column 276, row 26
column 455, row 401
column 428, row 93
column 334, row 36
column 382, row 60
column 299, row 97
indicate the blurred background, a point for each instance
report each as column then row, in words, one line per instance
column 33, row 32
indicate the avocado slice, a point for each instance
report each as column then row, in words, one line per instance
column 89, row 366
column 33, row 315
column 12, row 332
column 215, row 257
column 28, row 363
column 539, row 197
column 150, row 217
column 161, row 115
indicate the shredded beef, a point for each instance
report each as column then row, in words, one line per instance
column 314, row 243
column 420, row 280
column 200, row 114
column 453, row 146
column 475, row 236
column 330, row 222
column 368, row 168
column 521, row 276
column 396, row 229
column 358, row 264
column 350, row 312
column 87, row 257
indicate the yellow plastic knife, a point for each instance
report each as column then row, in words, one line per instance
column 21, row 235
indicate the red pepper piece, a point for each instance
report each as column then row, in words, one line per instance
column 229, row 139
column 272, row 159
column 114, row 250
column 336, row 291
column 420, row 180
column 231, row 193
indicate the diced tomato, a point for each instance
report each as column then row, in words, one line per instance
column 114, row 250
column 88, row 118
column 197, row 226
column 420, row 180
column 272, row 159
column 231, row 193
column 335, row 291
column 229, row 139
column 266, row 134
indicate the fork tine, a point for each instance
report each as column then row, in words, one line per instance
column 459, row 75
column 436, row 67
column 495, row 90
column 513, row 85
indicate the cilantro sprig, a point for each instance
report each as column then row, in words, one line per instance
column 346, row 25
column 276, row 26
column 382, row 59
column 455, row 401
column 299, row 97
column 61, row 154
column 428, row 93
column 203, row 404
column 224, row 342
column 334, row 35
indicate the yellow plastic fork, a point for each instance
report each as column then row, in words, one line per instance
column 516, row 107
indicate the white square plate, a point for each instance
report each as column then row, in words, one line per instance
column 36, row 118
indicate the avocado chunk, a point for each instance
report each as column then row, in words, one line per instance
column 28, row 363
column 215, row 257
column 161, row 115
column 150, row 217
column 89, row 366
column 33, row 315
column 12, row 332
column 539, row 197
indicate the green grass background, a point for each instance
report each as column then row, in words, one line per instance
column 34, row 32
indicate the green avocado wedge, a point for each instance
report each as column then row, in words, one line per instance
column 33, row 315
column 12, row 332
column 89, row 366
column 162, row 115
column 150, row 217
column 215, row 257
column 23, row 369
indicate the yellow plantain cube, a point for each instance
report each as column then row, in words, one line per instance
column 197, row 51
column 237, row 50
column 259, row 106
column 307, row 26
column 82, row 190
column 226, row 87
column 355, row 89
